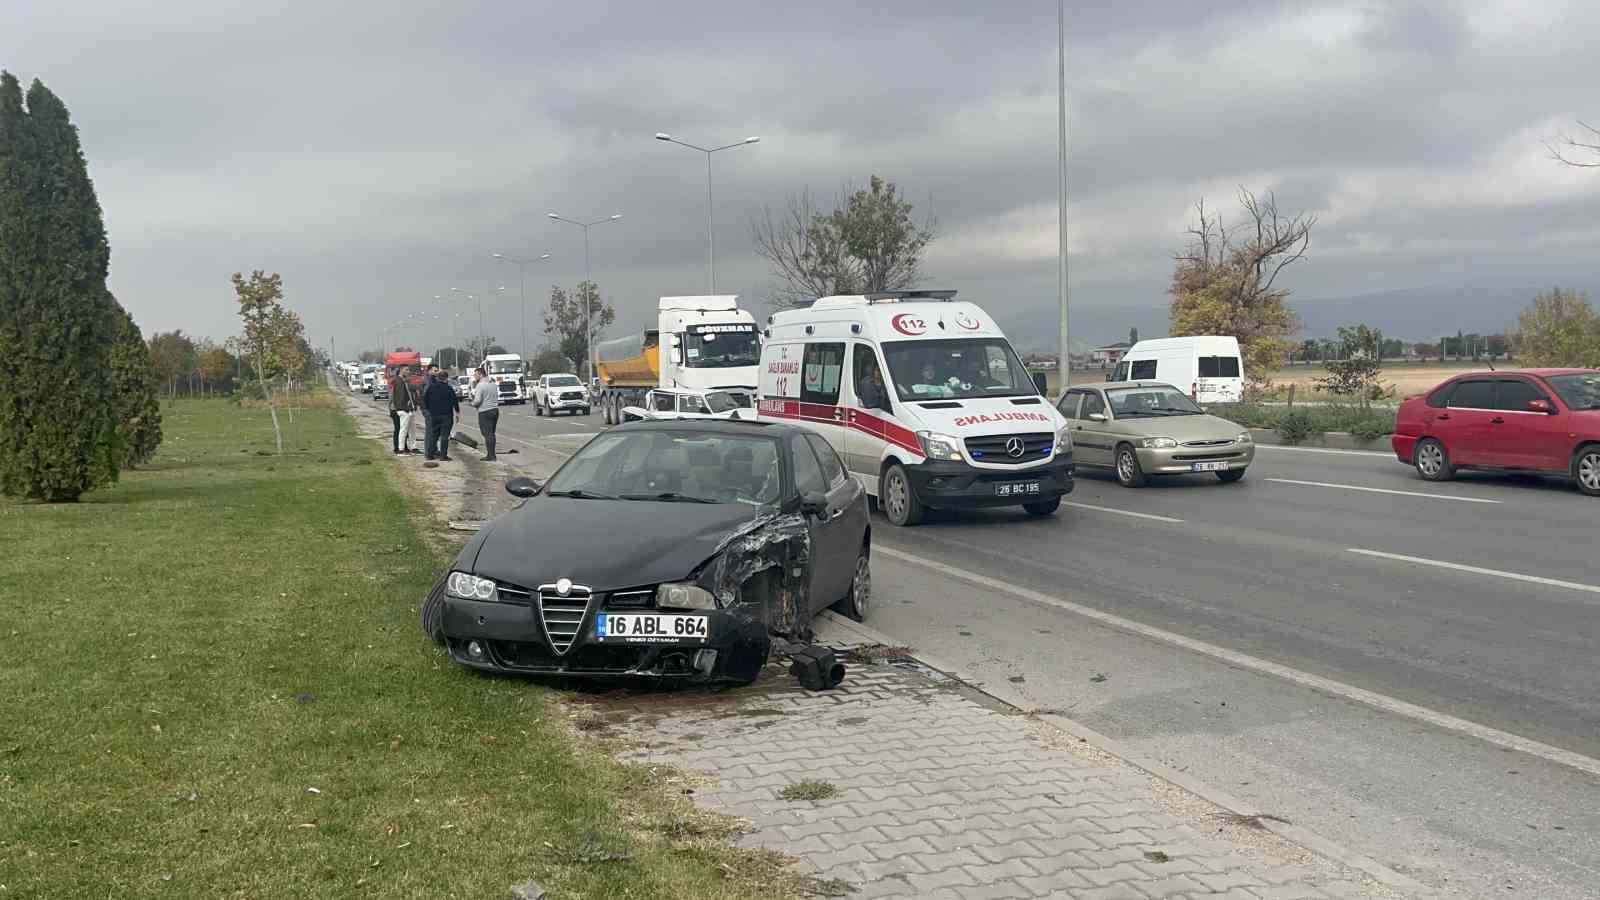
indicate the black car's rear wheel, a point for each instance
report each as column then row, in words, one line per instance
column 433, row 613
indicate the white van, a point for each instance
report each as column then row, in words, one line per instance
column 1209, row 367
column 924, row 399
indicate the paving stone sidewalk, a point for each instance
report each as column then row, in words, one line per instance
column 941, row 793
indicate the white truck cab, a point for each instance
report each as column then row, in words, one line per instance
column 924, row 399
column 506, row 370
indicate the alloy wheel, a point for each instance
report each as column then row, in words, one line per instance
column 1125, row 464
column 861, row 587
column 1430, row 459
column 1589, row 471
column 895, row 501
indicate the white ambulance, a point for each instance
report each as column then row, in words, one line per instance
column 923, row 398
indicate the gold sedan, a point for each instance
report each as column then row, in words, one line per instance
column 1142, row 428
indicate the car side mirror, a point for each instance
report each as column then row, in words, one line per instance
column 522, row 487
column 814, row 504
column 1540, row 406
column 1097, row 417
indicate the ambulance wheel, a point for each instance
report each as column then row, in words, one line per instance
column 898, row 499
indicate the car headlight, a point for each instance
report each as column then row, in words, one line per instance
column 684, row 596
column 939, row 446
column 1158, row 443
column 469, row 587
column 1244, row 437
column 1063, row 442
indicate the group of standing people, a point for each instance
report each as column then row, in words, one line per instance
column 436, row 399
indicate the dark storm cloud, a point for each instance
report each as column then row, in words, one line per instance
column 377, row 153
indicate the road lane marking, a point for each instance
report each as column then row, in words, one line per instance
column 1378, row 701
column 1373, row 490
column 1514, row 576
column 1326, row 450
column 1122, row 512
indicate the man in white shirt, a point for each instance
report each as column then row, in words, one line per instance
column 486, row 400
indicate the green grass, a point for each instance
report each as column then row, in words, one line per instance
column 185, row 656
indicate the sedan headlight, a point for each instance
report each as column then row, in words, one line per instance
column 1244, row 437
column 1158, row 443
column 939, row 446
column 469, row 587
column 684, row 596
column 1063, row 442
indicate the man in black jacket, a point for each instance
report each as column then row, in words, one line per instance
column 439, row 399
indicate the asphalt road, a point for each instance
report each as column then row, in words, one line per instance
column 1326, row 669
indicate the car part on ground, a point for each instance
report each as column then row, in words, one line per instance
column 816, row 668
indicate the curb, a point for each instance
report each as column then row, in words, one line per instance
column 1331, row 440
column 1295, row 834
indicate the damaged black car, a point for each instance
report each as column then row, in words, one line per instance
column 667, row 549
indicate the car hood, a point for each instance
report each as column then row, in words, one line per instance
column 1180, row 428
column 604, row 545
column 986, row 416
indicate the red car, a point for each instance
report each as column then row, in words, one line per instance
column 1532, row 420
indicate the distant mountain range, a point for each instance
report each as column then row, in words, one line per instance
column 1411, row 314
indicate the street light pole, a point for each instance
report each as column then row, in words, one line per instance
column 588, row 306
column 522, row 271
column 711, row 239
column 483, row 336
column 1065, row 365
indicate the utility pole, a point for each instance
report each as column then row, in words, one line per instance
column 1065, row 366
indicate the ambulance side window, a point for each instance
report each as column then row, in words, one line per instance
column 871, row 390
column 819, row 376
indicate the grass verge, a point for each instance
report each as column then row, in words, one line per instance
column 214, row 685
column 1294, row 423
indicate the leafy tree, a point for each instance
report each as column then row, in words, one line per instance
column 549, row 361
column 565, row 320
column 1559, row 329
column 869, row 242
column 216, row 366
column 1356, row 370
column 135, row 403
column 57, row 321
column 260, row 301
column 1225, row 284
column 173, row 356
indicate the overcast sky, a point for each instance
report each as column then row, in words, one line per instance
column 376, row 154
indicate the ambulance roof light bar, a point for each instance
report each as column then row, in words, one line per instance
column 897, row 296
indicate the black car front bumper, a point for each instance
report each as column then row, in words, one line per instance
column 510, row 638
column 956, row 485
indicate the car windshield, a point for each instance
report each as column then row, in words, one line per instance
column 1151, row 402
column 720, row 401
column 503, row 366
column 562, row 381
column 728, row 349
column 1578, row 391
column 956, row 369
column 673, row 466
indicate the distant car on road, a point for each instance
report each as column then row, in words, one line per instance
column 594, row 576
column 380, row 386
column 463, row 385
column 1544, row 421
column 1143, row 428
column 554, row 393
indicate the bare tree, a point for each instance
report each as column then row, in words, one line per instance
column 1570, row 152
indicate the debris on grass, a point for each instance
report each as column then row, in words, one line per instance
column 465, row 526
column 1098, row 677
column 528, row 890
column 809, row 790
column 593, row 850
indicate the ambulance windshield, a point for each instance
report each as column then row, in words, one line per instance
column 956, row 369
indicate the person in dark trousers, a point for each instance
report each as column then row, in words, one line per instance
column 394, row 413
column 486, row 399
column 439, row 399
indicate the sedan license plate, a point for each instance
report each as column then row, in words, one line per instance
column 645, row 628
column 1016, row 488
column 1209, row 467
